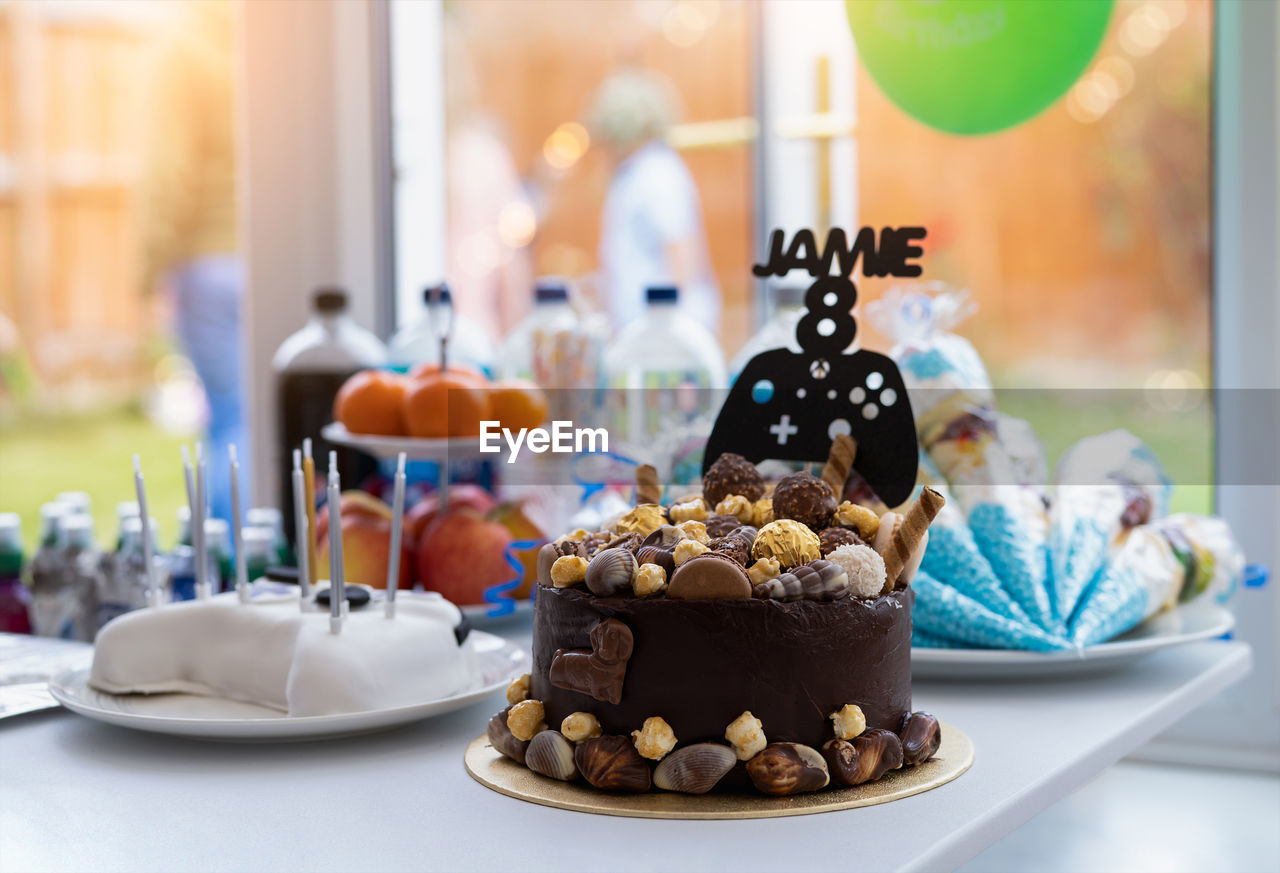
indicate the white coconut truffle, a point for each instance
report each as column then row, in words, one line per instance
column 864, row 567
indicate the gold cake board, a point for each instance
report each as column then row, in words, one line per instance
column 490, row 768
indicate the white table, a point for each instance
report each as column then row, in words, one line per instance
column 78, row 795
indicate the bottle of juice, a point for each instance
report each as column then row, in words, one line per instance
column 15, row 600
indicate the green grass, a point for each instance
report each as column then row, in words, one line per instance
column 40, row 457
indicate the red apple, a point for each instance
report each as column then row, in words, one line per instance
column 366, row 546
column 461, row 554
column 427, row 509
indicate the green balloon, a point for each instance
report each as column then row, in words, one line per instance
column 976, row 66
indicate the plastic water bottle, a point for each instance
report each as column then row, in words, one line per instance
column 82, row 570
column 15, row 600
column 125, row 510
column 778, row 331
column 53, row 603
column 181, row 562
column 78, row 501
column 217, row 546
column 310, row 367
column 664, row 370
column 123, row 586
column 259, row 545
column 270, row 518
column 533, row 339
column 419, row 342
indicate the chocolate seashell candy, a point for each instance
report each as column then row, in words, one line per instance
column 611, row 572
column 503, row 740
column 817, row 580
column 611, row 763
column 920, row 735
column 721, row 525
column 788, row 768
column 550, row 754
column 879, row 751
column 842, row 761
column 694, row 769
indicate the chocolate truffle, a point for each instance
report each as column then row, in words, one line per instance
column 721, row 525
column 833, row 538
column 804, row 498
column 732, row 474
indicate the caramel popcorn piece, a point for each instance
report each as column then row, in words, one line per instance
column 746, row 734
column 762, row 511
column 763, row 570
column 578, row 727
column 526, row 719
column 650, row 579
column 849, row 721
column 686, row 549
column 568, row 570
column 518, row 690
column 694, row 530
column 737, row 506
column 695, row 509
column 860, row 518
column 654, row 739
column 644, row 520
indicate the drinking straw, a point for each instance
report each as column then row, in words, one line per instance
column 148, row 547
column 301, row 533
column 242, row 569
column 397, row 524
column 337, row 590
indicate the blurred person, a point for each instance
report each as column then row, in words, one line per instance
column 192, row 237
column 651, row 228
column 491, row 218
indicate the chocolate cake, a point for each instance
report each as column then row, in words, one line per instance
column 666, row 657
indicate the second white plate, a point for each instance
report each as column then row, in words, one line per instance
column 213, row 718
column 1199, row 620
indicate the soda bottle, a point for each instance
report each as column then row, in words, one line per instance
column 123, row 586
column 15, row 600
column 259, row 545
column 53, row 603
column 310, row 367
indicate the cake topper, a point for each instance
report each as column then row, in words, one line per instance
column 790, row 406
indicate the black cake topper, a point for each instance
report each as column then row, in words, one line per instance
column 790, row 407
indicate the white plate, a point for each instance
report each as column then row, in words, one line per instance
column 1199, row 620
column 417, row 449
column 214, row 718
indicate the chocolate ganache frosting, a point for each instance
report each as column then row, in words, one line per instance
column 700, row 663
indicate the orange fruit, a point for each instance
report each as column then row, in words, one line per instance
column 444, row 405
column 462, row 371
column 372, row 402
column 518, row 404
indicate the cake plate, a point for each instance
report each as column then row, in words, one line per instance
column 214, row 718
column 1193, row 622
column 493, row 770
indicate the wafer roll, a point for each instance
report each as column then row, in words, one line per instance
column 647, row 488
column 909, row 534
column 839, row 463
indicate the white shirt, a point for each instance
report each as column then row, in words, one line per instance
column 653, row 202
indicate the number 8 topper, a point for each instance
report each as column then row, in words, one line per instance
column 790, row 407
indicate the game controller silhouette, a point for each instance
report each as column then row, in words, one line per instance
column 790, row 407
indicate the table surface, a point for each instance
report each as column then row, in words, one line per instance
column 76, row 794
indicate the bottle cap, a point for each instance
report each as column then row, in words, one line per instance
column 126, row 509
column 661, row 294
column 329, row 300
column 51, row 515
column 429, row 292
column 79, row 501
column 76, row 531
column 551, row 290
column 258, row 541
column 131, row 532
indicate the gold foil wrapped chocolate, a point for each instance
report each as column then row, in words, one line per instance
column 791, row 542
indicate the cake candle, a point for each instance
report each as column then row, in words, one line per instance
column 148, row 547
column 301, row 533
column 397, row 527
column 237, row 539
column 309, row 482
column 337, row 591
